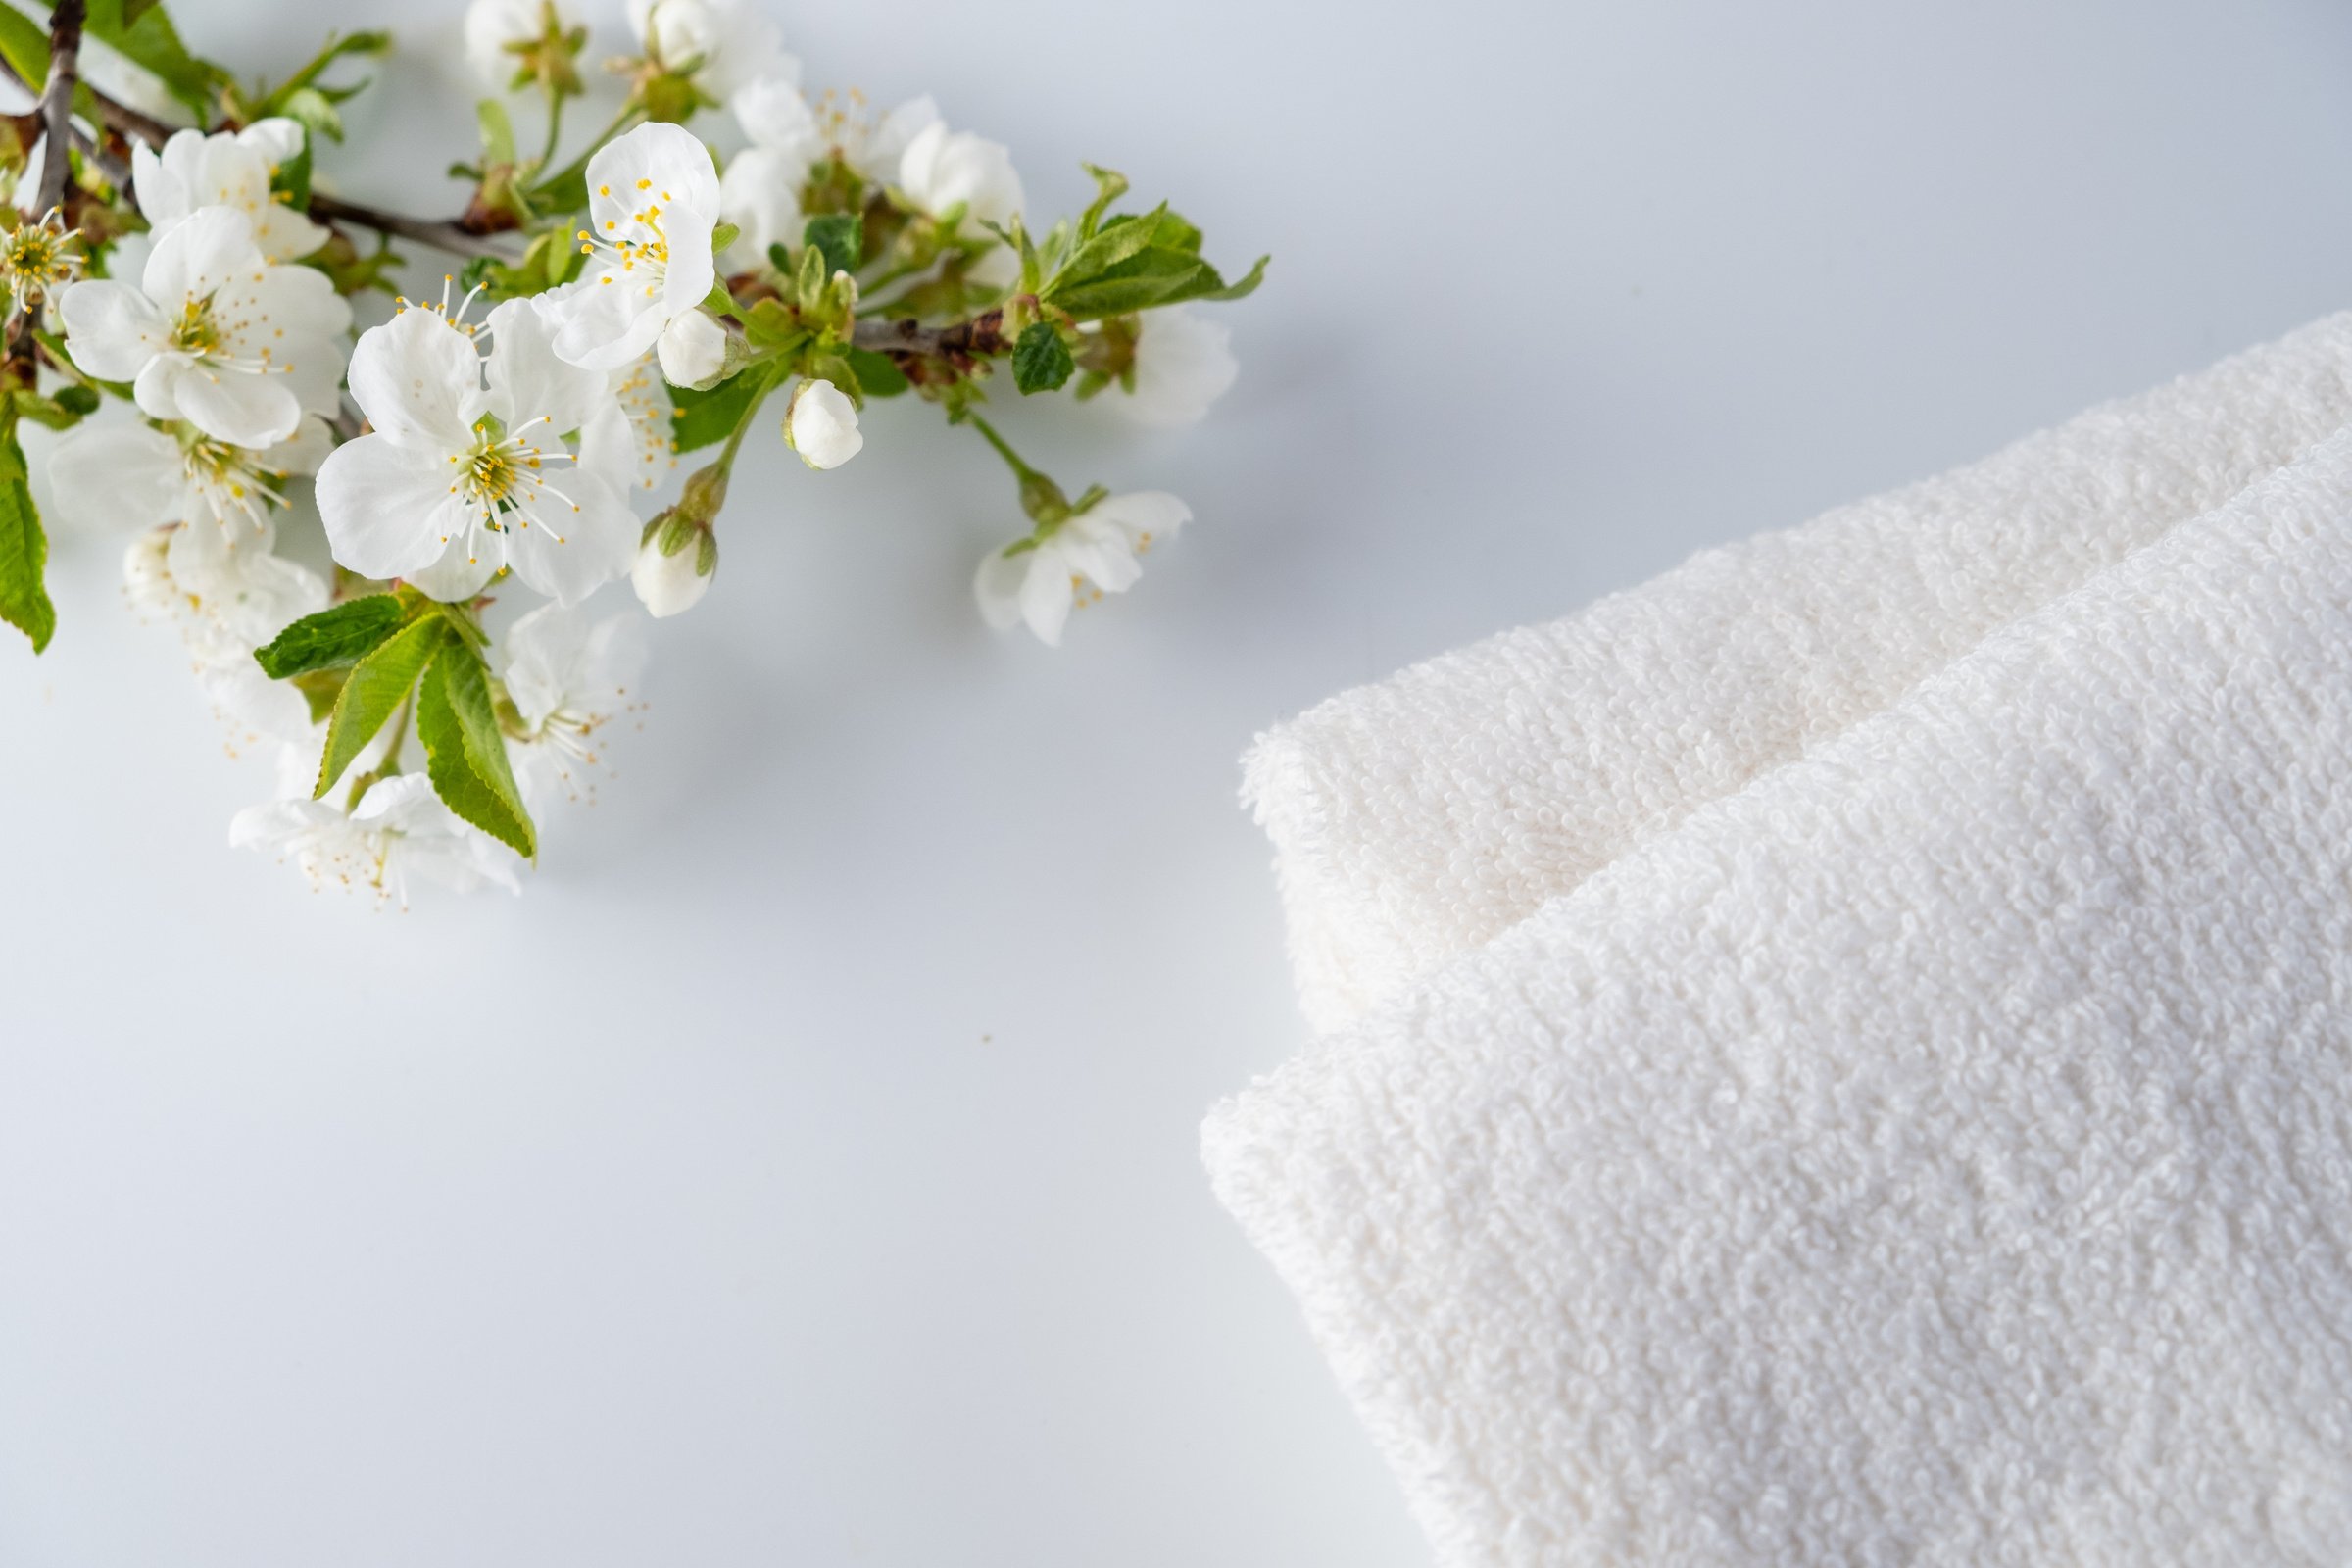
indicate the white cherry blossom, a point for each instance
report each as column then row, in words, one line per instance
column 215, row 333
column 571, row 678
column 458, row 478
column 399, row 830
column 821, row 425
column 107, row 473
column 1091, row 554
column 226, row 593
column 943, row 171
column 498, row 30
column 227, row 168
column 722, row 45
column 652, row 202
column 672, row 582
column 1183, row 362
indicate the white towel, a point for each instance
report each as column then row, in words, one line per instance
column 1938, row 1150
column 1416, row 820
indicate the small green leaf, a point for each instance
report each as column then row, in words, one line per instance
column 142, row 32
column 724, row 236
column 700, row 419
column 498, row 132
column 878, row 375
column 319, row 688
column 465, row 755
column 315, row 111
column 1146, row 277
column 1233, row 291
column 376, row 687
column 840, row 238
column 1041, row 360
column 333, row 638
column 23, row 553
column 1112, row 244
column 1109, row 186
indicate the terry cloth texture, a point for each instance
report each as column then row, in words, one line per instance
column 1416, row 820
column 1936, row 1151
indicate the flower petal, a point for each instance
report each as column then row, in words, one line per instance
column 110, row 475
column 574, row 549
column 244, row 408
column 471, row 560
column 419, row 380
column 112, row 329
column 528, row 381
column 1046, row 594
column 388, row 507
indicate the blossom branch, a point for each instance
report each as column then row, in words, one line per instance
column 137, row 126
column 57, row 123
column 982, row 335
column 452, row 237
column 57, row 99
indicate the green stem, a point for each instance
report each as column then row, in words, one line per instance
column 768, row 377
column 389, row 765
column 554, row 129
column 578, row 167
column 1020, row 470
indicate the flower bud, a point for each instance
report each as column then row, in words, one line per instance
column 675, row 563
column 698, row 352
column 821, row 425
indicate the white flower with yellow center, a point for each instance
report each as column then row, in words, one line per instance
column 399, row 830
column 652, row 202
column 947, row 172
column 459, row 479
column 215, row 333
column 227, row 593
column 37, row 259
column 1089, row 554
column 227, row 168
column 790, row 136
column 720, row 45
column 570, row 678
column 109, row 473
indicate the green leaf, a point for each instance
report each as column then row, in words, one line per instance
column 724, row 236
column 700, row 419
column 1146, row 277
column 293, row 176
column 1041, row 360
column 1231, row 291
column 24, row 45
column 1109, row 186
column 498, row 132
column 840, row 238
column 1114, row 243
column 465, row 755
column 379, row 684
column 315, row 111
column 333, row 638
column 878, row 375
column 23, row 553
column 319, row 688
column 142, row 33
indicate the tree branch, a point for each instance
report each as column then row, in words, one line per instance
column 446, row 236
column 57, row 125
column 981, row 335
column 57, row 99
column 139, row 126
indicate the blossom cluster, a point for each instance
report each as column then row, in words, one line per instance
column 485, row 457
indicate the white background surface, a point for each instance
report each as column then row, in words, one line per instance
column 803, row 1171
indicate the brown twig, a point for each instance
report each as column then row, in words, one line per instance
column 981, row 335
column 451, row 237
column 57, row 125
column 139, row 126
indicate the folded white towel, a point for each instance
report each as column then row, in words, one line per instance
column 1416, row 820
column 1936, row 1151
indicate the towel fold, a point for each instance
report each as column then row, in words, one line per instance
column 1417, row 819
column 1937, row 1150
